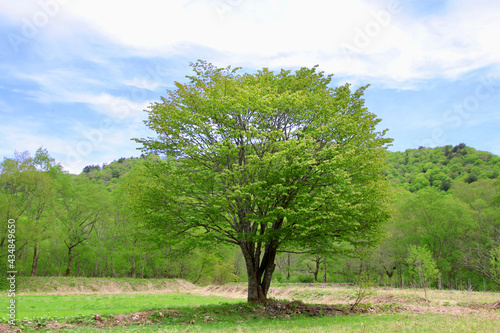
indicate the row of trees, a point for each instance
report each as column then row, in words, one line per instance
column 47, row 204
column 461, row 228
column 81, row 225
column 266, row 176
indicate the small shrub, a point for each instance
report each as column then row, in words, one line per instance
column 364, row 289
column 305, row 279
column 422, row 266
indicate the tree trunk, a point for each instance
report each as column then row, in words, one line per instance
column 111, row 266
column 201, row 272
column 259, row 271
column 289, row 264
column 58, row 260
column 324, row 269
column 96, row 267
column 143, row 266
column 315, row 272
column 70, row 261
column 133, row 266
column 36, row 255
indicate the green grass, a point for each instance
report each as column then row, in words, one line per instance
column 75, row 300
column 403, row 322
column 59, row 306
column 237, row 316
column 361, row 323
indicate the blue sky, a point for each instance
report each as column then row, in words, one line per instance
column 76, row 75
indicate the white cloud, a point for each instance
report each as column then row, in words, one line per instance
column 64, row 86
column 142, row 83
column 393, row 46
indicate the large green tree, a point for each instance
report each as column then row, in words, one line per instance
column 264, row 161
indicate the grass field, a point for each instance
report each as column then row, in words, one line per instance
column 406, row 322
column 129, row 305
column 60, row 306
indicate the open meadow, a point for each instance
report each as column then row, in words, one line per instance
column 135, row 305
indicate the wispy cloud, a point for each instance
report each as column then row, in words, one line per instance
column 382, row 39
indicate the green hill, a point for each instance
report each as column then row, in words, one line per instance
column 413, row 169
column 439, row 167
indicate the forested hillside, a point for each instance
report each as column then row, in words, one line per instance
column 416, row 169
column 446, row 201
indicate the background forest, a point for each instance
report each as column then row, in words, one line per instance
column 446, row 208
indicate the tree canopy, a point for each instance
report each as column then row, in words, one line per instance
column 264, row 161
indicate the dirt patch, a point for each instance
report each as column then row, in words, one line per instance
column 185, row 285
column 486, row 306
column 283, row 309
column 481, row 309
column 232, row 291
column 280, row 292
column 73, row 286
column 58, row 326
column 136, row 318
column 439, row 309
column 390, row 298
column 98, row 321
column 4, row 328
